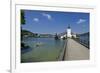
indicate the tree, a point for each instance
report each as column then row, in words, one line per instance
column 22, row 21
column 22, row 17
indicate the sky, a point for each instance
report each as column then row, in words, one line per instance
column 51, row 22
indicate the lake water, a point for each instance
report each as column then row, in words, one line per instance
column 42, row 49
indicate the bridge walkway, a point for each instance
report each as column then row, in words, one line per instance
column 75, row 51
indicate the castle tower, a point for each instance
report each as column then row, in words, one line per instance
column 69, row 32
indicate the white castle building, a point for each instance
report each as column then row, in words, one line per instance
column 68, row 33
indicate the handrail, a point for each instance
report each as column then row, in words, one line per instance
column 82, row 43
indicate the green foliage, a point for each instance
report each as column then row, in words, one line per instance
column 26, row 33
column 22, row 17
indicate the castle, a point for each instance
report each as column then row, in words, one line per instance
column 68, row 34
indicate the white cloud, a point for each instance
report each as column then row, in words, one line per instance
column 36, row 19
column 47, row 15
column 81, row 21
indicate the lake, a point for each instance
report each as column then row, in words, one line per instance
column 42, row 49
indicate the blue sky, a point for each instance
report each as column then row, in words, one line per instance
column 51, row 22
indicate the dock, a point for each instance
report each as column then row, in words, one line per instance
column 75, row 51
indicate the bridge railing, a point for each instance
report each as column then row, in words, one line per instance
column 83, row 39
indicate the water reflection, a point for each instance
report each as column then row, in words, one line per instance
column 43, row 49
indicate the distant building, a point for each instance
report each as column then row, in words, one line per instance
column 63, row 36
column 74, row 35
column 68, row 33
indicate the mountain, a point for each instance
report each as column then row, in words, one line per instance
column 26, row 33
